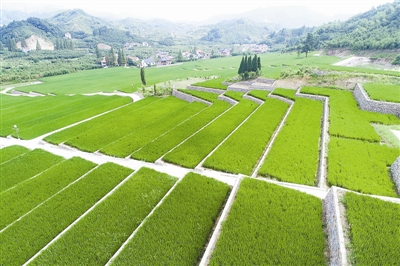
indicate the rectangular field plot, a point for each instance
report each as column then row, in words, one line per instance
column 235, row 95
column 346, row 119
column 383, row 92
column 242, row 150
column 121, row 114
column 207, row 96
column 26, row 166
column 361, row 166
column 213, row 83
column 29, row 194
column 271, row 225
column 156, row 149
column 195, row 149
column 40, row 115
column 22, row 240
column 95, row 238
column 109, row 129
column 11, row 152
column 140, row 137
column 294, row 155
column 374, row 230
column 259, row 94
column 177, row 231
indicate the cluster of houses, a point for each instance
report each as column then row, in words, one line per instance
column 129, row 45
column 162, row 58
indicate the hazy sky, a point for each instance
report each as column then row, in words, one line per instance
column 189, row 10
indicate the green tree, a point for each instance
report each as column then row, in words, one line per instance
column 249, row 64
column 259, row 63
column 397, row 60
column 38, row 47
column 179, row 58
column 308, row 44
column 254, row 64
column 123, row 57
column 12, row 46
column 244, row 64
column 143, row 76
column 240, row 70
column 119, row 60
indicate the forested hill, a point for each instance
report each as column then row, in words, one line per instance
column 378, row 28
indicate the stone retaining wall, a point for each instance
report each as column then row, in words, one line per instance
column 395, row 169
column 197, row 88
column 251, row 98
column 334, row 229
column 261, row 87
column 187, row 97
column 227, row 99
column 365, row 103
column 239, row 89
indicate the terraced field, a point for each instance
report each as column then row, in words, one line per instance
column 128, row 193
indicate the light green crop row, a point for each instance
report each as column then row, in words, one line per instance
column 72, row 132
column 346, row 119
column 26, row 196
column 242, row 150
column 11, row 152
column 374, row 230
column 26, row 166
column 294, row 155
column 112, row 128
column 213, row 83
column 286, row 93
column 383, row 92
column 95, row 239
column 361, row 166
column 271, row 225
column 154, row 150
column 236, row 95
column 177, row 231
column 195, row 149
column 22, row 240
column 260, row 94
column 50, row 113
column 208, row 96
column 140, row 137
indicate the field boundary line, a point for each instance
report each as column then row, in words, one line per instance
column 79, row 218
column 230, row 134
column 79, row 122
column 14, row 157
column 32, row 177
column 49, row 198
column 122, row 247
column 170, row 130
column 272, row 140
column 218, row 229
column 183, row 141
column 322, row 166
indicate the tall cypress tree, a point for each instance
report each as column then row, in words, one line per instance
column 142, row 76
column 98, row 53
column 254, row 64
column 240, row 70
column 249, row 64
column 244, row 64
column 259, row 63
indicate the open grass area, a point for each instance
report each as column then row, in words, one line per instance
column 128, row 79
column 383, row 92
column 39, row 115
column 11, row 152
